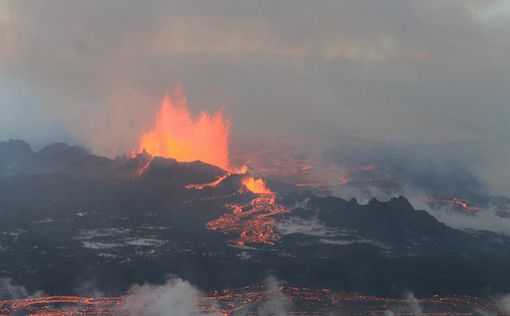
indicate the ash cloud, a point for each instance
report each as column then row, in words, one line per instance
column 406, row 70
column 428, row 73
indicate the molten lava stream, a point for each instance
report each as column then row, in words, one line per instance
column 212, row 184
column 252, row 221
column 463, row 204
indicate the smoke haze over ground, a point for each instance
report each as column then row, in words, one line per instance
column 174, row 298
column 419, row 87
column 414, row 71
column 10, row 291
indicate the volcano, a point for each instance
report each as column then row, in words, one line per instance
column 176, row 206
column 70, row 217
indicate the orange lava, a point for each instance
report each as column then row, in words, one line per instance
column 256, row 186
column 253, row 221
column 464, row 204
column 246, row 300
column 56, row 305
column 212, row 184
column 145, row 167
column 179, row 135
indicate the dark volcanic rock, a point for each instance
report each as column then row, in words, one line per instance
column 16, row 156
column 103, row 222
column 61, row 153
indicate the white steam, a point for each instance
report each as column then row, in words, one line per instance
column 503, row 305
column 411, row 306
column 277, row 304
column 10, row 291
column 482, row 220
column 174, row 298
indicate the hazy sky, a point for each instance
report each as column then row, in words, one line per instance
column 93, row 72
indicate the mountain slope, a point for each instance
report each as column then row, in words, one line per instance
column 115, row 222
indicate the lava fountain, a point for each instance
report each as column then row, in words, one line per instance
column 179, row 135
column 257, row 186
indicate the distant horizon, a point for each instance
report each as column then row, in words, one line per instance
column 190, row 157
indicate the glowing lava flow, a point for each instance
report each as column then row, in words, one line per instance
column 184, row 138
column 463, row 204
column 257, row 186
column 212, row 184
column 252, row 221
column 179, row 135
column 247, row 300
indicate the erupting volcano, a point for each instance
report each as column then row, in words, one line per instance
column 179, row 135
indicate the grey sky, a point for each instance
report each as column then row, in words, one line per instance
column 93, row 72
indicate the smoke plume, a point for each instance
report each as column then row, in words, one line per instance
column 276, row 304
column 10, row 291
column 174, row 298
column 411, row 306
